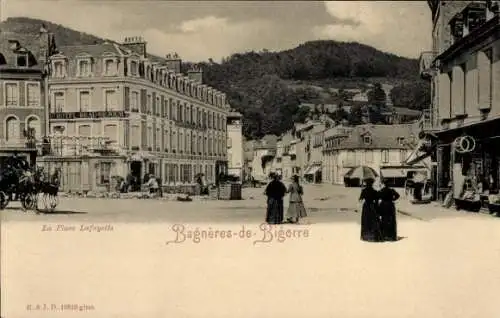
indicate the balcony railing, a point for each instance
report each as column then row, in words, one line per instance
column 426, row 61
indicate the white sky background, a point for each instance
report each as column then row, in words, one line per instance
column 202, row 30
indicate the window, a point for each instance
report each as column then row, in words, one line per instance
column 12, row 129
column 463, row 67
column 110, row 99
column 166, row 140
column 111, row 132
column 34, row 127
column 403, row 155
column 158, row 106
column 150, row 140
column 158, row 139
column 150, row 104
column 84, row 101
column 22, row 60
column 134, row 70
column 84, row 68
column 59, row 101
column 385, row 156
column 367, row 140
column 181, row 142
column 104, row 173
column 11, row 94
column 109, row 67
column 136, row 136
column 229, row 142
column 134, row 102
column 33, row 92
column 85, row 132
column 59, row 69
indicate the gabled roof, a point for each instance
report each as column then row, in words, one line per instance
column 382, row 137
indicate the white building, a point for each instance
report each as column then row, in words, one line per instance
column 235, row 144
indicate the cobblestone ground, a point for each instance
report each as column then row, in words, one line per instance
column 446, row 265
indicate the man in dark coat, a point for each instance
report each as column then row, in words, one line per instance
column 275, row 191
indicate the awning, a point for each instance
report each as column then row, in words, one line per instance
column 313, row 169
column 393, row 173
column 417, row 155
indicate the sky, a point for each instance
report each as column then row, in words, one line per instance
column 198, row 30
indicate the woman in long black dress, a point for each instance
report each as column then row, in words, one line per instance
column 387, row 211
column 275, row 191
column 370, row 223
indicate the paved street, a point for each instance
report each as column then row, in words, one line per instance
column 446, row 265
column 325, row 203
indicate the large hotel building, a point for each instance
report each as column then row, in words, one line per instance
column 117, row 110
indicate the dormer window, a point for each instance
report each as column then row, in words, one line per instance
column 134, row 68
column 110, row 67
column 367, row 140
column 22, row 60
column 59, row 70
column 84, row 68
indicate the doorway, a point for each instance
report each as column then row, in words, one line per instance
column 135, row 171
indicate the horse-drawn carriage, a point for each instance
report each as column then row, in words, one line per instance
column 21, row 180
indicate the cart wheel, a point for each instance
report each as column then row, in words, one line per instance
column 27, row 201
column 4, row 200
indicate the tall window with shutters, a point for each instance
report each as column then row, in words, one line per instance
column 135, row 135
column 59, row 101
column 110, row 100
column 158, row 139
column 111, row 132
column 11, row 94
column 150, row 140
column 33, row 94
column 134, row 102
column 12, row 129
column 84, row 131
column 84, row 101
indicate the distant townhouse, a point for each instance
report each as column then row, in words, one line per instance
column 309, row 153
column 333, row 170
column 117, row 110
column 264, row 153
column 235, row 156
column 23, row 106
column 385, row 148
column 284, row 162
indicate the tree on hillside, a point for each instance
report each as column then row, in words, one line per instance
column 355, row 116
column 377, row 101
column 413, row 95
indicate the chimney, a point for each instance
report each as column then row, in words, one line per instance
column 136, row 44
column 196, row 74
column 173, row 62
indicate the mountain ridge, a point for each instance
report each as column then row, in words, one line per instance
column 268, row 87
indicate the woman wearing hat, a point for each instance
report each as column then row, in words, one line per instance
column 296, row 209
column 370, row 221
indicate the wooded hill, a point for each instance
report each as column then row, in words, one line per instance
column 268, row 87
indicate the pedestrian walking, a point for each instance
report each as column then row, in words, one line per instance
column 275, row 191
column 370, row 222
column 387, row 211
column 296, row 209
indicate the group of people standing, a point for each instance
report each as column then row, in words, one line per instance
column 275, row 192
column 378, row 216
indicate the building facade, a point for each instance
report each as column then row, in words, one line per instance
column 116, row 110
column 264, row 152
column 384, row 148
column 465, row 76
column 235, row 156
column 23, row 71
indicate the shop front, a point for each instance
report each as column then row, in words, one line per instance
column 468, row 163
